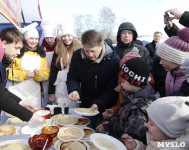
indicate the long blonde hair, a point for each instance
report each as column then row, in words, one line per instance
column 63, row 51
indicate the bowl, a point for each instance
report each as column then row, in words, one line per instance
column 52, row 131
column 38, row 141
column 82, row 121
column 45, row 113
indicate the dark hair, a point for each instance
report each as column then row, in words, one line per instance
column 11, row 35
column 91, row 38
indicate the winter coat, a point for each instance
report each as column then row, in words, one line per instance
column 132, row 115
column 183, row 91
column 174, row 80
column 9, row 102
column 174, row 30
column 28, row 89
column 122, row 49
column 152, row 48
column 184, row 19
column 181, row 143
column 94, row 80
column 21, row 75
column 159, row 75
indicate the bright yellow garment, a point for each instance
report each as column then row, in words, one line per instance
column 20, row 75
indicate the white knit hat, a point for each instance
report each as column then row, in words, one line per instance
column 30, row 31
column 176, row 48
column 49, row 28
column 185, row 66
column 66, row 29
column 170, row 114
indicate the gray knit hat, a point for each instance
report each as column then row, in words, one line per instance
column 170, row 114
column 176, row 48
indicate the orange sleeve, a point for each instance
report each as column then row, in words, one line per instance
column 117, row 106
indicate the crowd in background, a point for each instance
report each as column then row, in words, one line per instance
column 140, row 91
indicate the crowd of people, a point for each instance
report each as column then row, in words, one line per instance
column 140, row 91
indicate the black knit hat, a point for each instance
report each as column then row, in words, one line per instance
column 135, row 71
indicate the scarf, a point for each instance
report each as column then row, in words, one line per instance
column 49, row 48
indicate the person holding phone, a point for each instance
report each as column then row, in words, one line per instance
column 171, row 29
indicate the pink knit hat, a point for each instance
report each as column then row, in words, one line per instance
column 176, row 48
column 1, row 51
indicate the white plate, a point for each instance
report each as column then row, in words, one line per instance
column 57, row 144
column 118, row 145
column 19, row 124
column 85, row 143
column 35, row 129
column 30, row 129
column 23, row 141
column 60, row 116
column 86, row 114
column 63, row 128
column 17, row 131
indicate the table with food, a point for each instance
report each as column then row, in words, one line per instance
column 59, row 132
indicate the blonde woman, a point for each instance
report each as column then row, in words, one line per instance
column 60, row 66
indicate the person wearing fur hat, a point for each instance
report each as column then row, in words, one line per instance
column 126, row 41
column 60, row 65
column 168, row 126
column 29, row 69
column 137, row 95
column 49, row 43
column 12, row 42
column 173, row 52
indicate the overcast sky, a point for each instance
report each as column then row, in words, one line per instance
column 146, row 15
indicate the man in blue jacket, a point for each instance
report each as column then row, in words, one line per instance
column 93, row 74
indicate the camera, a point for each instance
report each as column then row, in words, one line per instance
column 166, row 18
